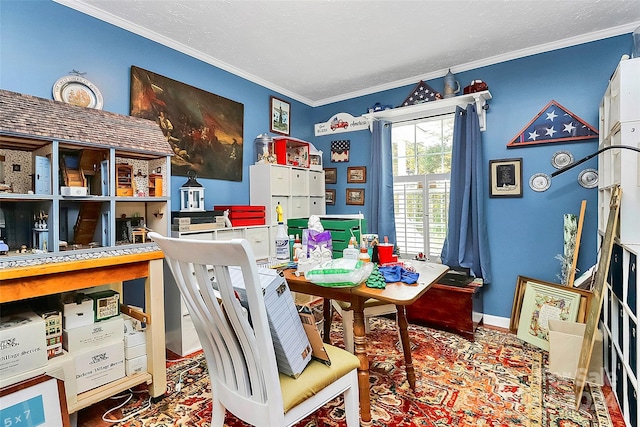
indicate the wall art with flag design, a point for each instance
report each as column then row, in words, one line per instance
column 554, row 123
column 421, row 93
column 340, row 150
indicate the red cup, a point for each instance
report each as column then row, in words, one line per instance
column 385, row 253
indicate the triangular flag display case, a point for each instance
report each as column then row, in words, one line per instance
column 421, row 93
column 554, row 123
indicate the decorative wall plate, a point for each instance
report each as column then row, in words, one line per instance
column 561, row 159
column 540, row 182
column 78, row 91
column 588, row 178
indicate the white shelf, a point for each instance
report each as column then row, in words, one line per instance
column 435, row 108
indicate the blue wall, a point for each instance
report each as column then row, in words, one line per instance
column 42, row 41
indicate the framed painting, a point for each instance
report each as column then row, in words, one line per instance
column 357, row 174
column 505, row 178
column 541, row 303
column 205, row 130
column 330, row 197
column 355, row 196
column 330, row 175
column 280, row 116
column 518, row 298
column 36, row 401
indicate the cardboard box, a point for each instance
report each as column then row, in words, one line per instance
column 565, row 342
column 77, row 311
column 135, row 351
column 23, row 345
column 106, row 304
column 95, row 334
column 99, row 366
column 135, row 366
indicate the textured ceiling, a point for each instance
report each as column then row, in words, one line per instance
column 321, row 51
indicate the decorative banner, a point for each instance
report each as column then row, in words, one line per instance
column 340, row 123
column 554, row 123
column 340, row 150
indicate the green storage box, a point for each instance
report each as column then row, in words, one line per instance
column 340, row 229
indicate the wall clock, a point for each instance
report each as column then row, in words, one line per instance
column 78, row 91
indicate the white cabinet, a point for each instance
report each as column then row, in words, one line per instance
column 620, row 125
column 181, row 336
column 299, row 191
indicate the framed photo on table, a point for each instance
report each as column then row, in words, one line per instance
column 355, row 196
column 505, row 178
column 280, row 116
column 357, row 174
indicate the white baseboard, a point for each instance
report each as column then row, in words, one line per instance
column 497, row 321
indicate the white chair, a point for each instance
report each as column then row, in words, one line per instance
column 372, row 307
column 240, row 356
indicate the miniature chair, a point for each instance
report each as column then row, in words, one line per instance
column 239, row 351
column 372, row 307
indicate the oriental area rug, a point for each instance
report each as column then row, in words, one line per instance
column 495, row 381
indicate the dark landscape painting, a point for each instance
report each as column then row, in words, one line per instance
column 205, row 130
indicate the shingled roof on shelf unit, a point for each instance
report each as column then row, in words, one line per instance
column 26, row 117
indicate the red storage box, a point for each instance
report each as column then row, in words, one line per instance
column 242, row 216
column 292, row 151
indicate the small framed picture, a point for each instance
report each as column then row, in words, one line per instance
column 355, row 196
column 42, row 398
column 330, row 175
column 357, row 174
column 330, row 197
column 505, row 178
column 280, row 116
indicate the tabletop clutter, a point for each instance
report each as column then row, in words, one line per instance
column 373, row 262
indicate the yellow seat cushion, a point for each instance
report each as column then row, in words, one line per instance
column 316, row 376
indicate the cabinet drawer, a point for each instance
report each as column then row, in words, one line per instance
column 228, row 234
column 299, row 182
column 316, row 183
column 280, row 179
column 317, row 206
column 198, row 236
column 299, row 207
column 259, row 240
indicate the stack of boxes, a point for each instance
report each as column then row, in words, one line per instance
column 94, row 335
column 135, row 346
column 22, row 343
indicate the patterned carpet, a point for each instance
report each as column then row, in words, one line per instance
column 496, row 381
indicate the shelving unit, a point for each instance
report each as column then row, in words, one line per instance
column 124, row 176
column 299, row 191
column 36, row 137
column 620, row 125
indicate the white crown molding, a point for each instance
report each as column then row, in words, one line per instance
column 87, row 9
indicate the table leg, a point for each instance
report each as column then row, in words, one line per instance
column 406, row 345
column 327, row 314
column 360, row 341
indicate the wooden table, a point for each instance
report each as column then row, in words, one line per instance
column 397, row 293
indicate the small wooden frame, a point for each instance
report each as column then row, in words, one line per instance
column 330, row 197
column 355, row 196
column 505, row 178
column 330, row 175
column 357, row 174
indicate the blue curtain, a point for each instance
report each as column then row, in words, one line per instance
column 380, row 213
column 467, row 242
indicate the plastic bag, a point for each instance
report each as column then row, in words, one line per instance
column 340, row 272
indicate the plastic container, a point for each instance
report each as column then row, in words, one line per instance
column 282, row 244
column 350, row 252
column 264, row 148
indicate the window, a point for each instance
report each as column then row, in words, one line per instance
column 421, row 178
